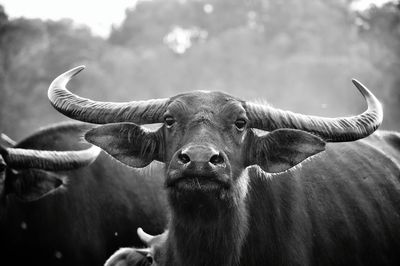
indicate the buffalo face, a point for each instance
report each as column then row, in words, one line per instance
column 206, row 144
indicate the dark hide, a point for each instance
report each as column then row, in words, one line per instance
column 339, row 207
column 95, row 210
column 128, row 257
column 31, row 184
column 212, row 222
column 153, row 255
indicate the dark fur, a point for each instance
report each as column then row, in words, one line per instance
column 96, row 211
column 339, row 207
column 209, row 215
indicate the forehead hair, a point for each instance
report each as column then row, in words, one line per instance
column 198, row 102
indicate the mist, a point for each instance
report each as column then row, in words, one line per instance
column 294, row 55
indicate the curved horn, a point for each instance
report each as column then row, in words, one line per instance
column 49, row 160
column 73, row 106
column 145, row 237
column 330, row 129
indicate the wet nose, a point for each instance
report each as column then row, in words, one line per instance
column 201, row 154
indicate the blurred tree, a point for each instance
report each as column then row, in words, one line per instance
column 3, row 16
column 300, row 55
column 14, row 36
column 150, row 21
column 32, row 52
column 380, row 30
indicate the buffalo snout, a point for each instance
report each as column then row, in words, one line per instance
column 201, row 154
column 198, row 164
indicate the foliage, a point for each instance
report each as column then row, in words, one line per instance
column 299, row 55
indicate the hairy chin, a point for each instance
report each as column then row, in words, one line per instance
column 203, row 204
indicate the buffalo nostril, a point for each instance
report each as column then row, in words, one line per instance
column 217, row 159
column 184, row 158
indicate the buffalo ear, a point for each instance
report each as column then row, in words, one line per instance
column 282, row 149
column 127, row 142
column 33, row 184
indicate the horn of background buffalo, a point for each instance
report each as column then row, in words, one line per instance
column 50, row 160
column 73, row 106
column 330, row 129
column 6, row 140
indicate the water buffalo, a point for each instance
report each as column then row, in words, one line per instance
column 56, row 211
column 153, row 255
column 310, row 191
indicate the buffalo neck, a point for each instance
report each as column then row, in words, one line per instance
column 208, row 240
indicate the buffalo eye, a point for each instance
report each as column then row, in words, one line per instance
column 169, row 121
column 240, row 123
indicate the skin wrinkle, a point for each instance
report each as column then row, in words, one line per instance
column 355, row 190
column 320, row 218
column 286, row 197
column 372, row 199
column 359, row 193
column 177, row 107
column 372, row 193
column 302, row 229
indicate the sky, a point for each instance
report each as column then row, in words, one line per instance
column 98, row 15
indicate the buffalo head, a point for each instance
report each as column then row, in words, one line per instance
column 154, row 254
column 29, row 174
column 208, row 139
